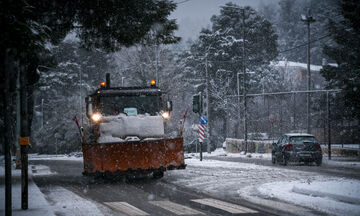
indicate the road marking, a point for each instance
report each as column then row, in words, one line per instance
column 282, row 206
column 126, row 208
column 229, row 207
column 176, row 208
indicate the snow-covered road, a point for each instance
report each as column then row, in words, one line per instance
column 292, row 190
column 296, row 192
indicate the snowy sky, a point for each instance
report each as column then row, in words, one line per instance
column 193, row 15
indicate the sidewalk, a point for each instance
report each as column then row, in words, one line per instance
column 37, row 202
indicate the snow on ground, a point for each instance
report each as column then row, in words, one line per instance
column 333, row 196
column 57, row 201
column 222, row 152
column 273, row 187
column 71, row 157
column 65, row 202
column 339, row 161
column 37, row 202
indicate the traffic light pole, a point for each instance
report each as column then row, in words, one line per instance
column 24, row 133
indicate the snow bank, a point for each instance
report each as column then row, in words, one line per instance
column 219, row 152
column 332, row 196
column 117, row 128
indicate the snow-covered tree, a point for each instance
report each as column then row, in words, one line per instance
column 60, row 96
column 220, row 49
column 346, row 53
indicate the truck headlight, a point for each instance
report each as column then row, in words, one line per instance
column 96, row 117
column 165, row 115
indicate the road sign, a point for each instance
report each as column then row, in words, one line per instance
column 24, row 140
column 201, row 132
column 203, row 120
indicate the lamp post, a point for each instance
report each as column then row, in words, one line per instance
column 308, row 19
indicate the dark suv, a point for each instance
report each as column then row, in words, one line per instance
column 297, row 147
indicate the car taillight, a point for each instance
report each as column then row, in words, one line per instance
column 289, row 147
column 318, row 147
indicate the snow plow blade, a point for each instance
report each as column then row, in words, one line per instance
column 133, row 157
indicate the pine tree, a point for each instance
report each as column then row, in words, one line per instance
column 346, row 53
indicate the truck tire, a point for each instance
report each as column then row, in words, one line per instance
column 158, row 174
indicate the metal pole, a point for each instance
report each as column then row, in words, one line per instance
column 5, row 100
column 207, row 104
column 308, row 19
column 156, row 65
column 18, row 118
column 81, row 98
column 329, row 127
column 294, row 111
column 24, row 133
column 308, row 78
column 244, row 82
column 42, row 113
column 239, row 107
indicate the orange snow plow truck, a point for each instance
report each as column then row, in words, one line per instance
column 127, row 133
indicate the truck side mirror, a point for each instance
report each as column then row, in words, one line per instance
column 169, row 105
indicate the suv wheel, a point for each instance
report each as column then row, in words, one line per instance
column 273, row 159
column 285, row 162
column 318, row 162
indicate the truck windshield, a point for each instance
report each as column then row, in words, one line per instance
column 115, row 105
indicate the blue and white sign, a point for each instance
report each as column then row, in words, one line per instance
column 204, row 120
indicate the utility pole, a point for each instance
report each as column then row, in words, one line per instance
column 308, row 19
column 244, row 82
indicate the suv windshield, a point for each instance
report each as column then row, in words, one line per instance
column 116, row 104
column 302, row 139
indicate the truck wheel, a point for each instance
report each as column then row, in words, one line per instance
column 158, row 174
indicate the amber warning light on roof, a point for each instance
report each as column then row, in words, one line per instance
column 153, row 83
column 102, row 84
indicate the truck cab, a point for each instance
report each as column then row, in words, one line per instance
column 128, row 133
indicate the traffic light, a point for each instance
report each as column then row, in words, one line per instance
column 196, row 104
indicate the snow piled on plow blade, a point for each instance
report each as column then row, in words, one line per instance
column 117, row 128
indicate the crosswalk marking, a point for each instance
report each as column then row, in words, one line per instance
column 176, row 208
column 126, row 208
column 229, row 207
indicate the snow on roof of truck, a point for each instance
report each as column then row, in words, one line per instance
column 298, row 134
